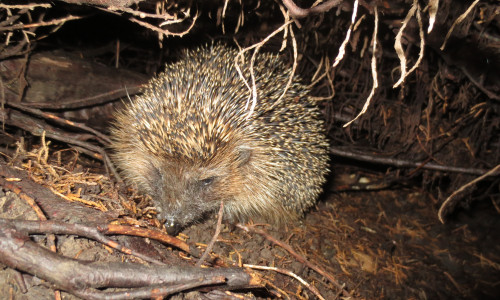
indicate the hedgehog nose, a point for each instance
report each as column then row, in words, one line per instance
column 173, row 229
column 171, row 226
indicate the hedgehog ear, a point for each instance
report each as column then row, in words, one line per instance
column 244, row 155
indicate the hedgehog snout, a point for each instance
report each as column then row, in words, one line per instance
column 168, row 219
column 181, row 200
column 176, row 220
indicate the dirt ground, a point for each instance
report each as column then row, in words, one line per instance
column 385, row 244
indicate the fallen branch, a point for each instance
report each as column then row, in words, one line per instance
column 96, row 100
column 56, row 208
column 400, row 163
column 41, row 24
column 97, row 233
column 104, row 139
column 40, row 128
column 78, row 277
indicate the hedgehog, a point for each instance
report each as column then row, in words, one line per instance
column 190, row 141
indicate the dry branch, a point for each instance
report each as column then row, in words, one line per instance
column 97, row 233
column 82, row 278
column 401, row 163
column 40, row 128
column 19, row 252
column 104, row 139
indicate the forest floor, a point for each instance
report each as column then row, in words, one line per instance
column 385, row 244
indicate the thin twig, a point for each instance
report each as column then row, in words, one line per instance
column 298, row 12
column 40, row 24
column 240, row 55
column 163, row 16
column 214, row 238
column 373, row 68
column 398, row 45
column 458, row 21
column 299, row 257
column 433, row 9
column 25, row 6
column 163, row 31
column 312, row 288
column 449, row 200
column 341, row 53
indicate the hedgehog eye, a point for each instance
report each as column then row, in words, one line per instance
column 207, row 181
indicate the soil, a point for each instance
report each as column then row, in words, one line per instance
column 386, row 244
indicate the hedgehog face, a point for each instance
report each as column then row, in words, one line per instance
column 184, row 191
